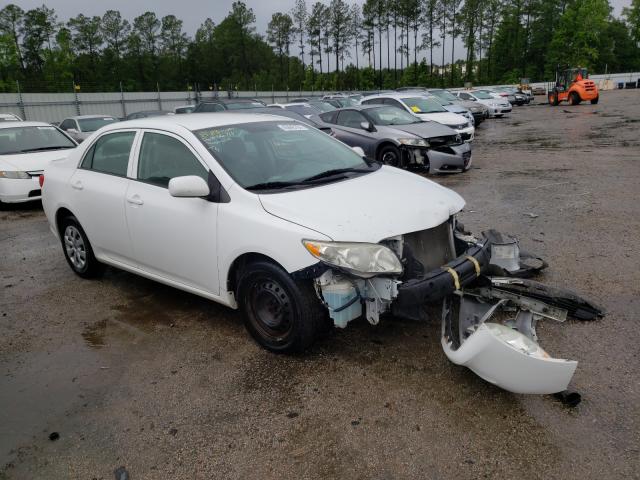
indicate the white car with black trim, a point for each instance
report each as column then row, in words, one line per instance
column 497, row 105
column 25, row 149
column 295, row 229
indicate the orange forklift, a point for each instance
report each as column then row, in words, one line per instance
column 573, row 85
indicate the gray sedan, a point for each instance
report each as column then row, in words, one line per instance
column 396, row 137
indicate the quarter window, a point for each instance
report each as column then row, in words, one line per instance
column 163, row 157
column 110, row 154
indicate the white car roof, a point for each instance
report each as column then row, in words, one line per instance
column 82, row 117
column 196, row 121
column 398, row 95
column 23, row 124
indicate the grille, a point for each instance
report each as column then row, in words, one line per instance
column 426, row 250
column 465, row 136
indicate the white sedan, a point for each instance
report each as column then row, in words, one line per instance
column 426, row 109
column 25, row 149
column 294, row 228
column 498, row 106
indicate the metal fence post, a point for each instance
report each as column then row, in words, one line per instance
column 122, row 102
column 20, row 102
column 159, row 99
column 77, row 100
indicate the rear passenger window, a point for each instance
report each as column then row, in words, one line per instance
column 163, row 158
column 110, row 154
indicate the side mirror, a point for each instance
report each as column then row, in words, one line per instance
column 368, row 126
column 188, row 186
column 358, row 150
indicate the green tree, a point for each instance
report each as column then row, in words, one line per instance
column 279, row 33
column 11, row 20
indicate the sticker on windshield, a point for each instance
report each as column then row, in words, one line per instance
column 292, row 127
column 415, row 109
column 46, row 128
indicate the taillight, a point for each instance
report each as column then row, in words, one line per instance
column 41, row 180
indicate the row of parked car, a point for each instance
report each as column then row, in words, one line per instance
column 431, row 130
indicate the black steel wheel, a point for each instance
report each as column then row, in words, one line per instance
column 574, row 98
column 281, row 314
column 390, row 155
column 595, row 100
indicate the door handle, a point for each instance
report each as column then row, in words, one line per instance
column 77, row 185
column 135, row 200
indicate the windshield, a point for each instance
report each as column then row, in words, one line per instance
column 277, row 152
column 391, row 116
column 93, row 124
column 323, row 106
column 441, row 101
column 482, row 95
column 423, row 105
column 304, row 110
column 31, row 139
column 243, row 105
column 444, row 95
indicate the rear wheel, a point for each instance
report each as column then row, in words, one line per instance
column 553, row 99
column 281, row 314
column 389, row 155
column 77, row 249
column 574, row 98
column 595, row 100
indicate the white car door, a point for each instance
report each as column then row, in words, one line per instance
column 174, row 238
column 97, row 190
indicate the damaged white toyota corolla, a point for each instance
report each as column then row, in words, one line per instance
column 298, row 231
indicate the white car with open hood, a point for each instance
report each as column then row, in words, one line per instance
column 25, row 149
column 298, row 231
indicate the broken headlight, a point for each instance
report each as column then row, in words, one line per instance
column 361, row 259
column 414, row 142
column 516, row 340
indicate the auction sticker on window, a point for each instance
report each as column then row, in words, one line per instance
column 290, row 127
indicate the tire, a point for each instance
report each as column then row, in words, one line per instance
column 77, row 249
column 574, row 99
column 595, row 100
column 553, row 99
column 281, row 314
column 390, row 155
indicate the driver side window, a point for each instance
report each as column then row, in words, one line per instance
column 465, row 96
column 351, row 119
column 163, row 157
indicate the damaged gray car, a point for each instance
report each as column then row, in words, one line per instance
column 395, row 137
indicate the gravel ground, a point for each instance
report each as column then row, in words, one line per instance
column 131, row 373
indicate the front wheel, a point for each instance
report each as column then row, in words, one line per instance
column 553, row 99
column 77, row 249
column 574, row 98
column 595, row 100
column 281, row 314
column 389, row 155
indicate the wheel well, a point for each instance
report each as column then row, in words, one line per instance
column 60, row 214
column 238, row 265
column 382, row 145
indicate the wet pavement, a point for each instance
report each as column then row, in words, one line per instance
column 131, row 373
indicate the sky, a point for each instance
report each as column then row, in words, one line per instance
column 194, row 12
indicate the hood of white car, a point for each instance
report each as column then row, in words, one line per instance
column 32, row 161
column 446, row 118
column 368, row 208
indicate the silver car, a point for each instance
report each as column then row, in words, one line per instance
column 479, row 111
column 395, row 137
column 81, row 126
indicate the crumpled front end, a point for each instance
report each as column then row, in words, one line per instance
column 490, row 308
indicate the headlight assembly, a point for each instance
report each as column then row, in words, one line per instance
column 414, row 142
column 516, row 340
column 14, row 175
column 361, row 259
